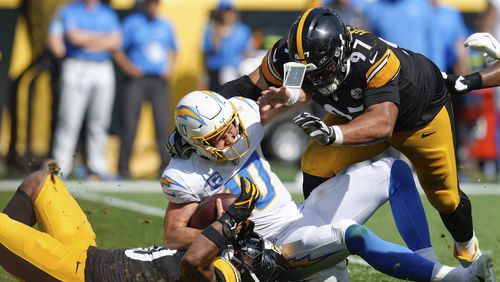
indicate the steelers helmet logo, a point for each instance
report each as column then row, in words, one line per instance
column 356, row 93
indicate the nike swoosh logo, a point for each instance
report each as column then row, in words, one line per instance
column 372, row 60
column 172, row 194
column 427, row 134
column 274, row 56
column 77, row 265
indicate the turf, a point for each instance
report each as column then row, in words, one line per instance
column 117, row 227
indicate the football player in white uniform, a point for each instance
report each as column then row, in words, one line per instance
column 315, row 235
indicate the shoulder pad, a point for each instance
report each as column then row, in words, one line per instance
column 273, row 61
column 373, row 57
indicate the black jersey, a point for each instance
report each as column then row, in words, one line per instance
column 146, row 264
column 139, row 264
column 379, row 72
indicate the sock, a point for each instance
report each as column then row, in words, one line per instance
column 468, row 247
column 407, row 209
column 391, row 259
column 428, row 253
column 459, row 222
column 20, row 208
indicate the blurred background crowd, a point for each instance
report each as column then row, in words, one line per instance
column 93, row 83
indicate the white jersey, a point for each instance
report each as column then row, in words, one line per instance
column 194, row 179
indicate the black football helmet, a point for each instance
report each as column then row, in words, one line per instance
column 259, row 260
column 321, row 40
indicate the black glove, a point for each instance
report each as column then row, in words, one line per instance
column 243, row 206
column 315, row 128
column 241, row 209
column 460, row 85
column 177, row 147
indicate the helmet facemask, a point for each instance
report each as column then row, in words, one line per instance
column 237, row 149
column 327, row 78
column 211, row 125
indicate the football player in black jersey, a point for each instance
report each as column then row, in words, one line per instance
column 64, row 248
column 377, row 95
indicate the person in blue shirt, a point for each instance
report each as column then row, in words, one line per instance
column 225, row 42
column 85, row 33
column 147, row 57
column 446, row 39
column 404, row 22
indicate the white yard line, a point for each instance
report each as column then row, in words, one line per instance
column 119, row 203
column 153, row 186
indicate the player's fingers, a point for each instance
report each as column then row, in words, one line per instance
column 310, row 124
column 220, row 208
column 315, row 133
column 244, row 184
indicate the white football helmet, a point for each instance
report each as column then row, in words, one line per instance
column 201, row 116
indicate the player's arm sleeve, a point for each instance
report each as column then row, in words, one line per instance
column 176, row 190
column 242, row 86
column 382, row 80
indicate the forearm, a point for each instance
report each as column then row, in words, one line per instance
column 197, row 263
column 94, row 41
column 56, row 46
column 369, row 128
column 104, row 42
column 180, row 238
column 490, row 76
column 280, row 111
column 124, row 63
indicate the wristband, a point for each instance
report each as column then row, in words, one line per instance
column 294, row 95
column 474, row 81
column 215, row 236
column 339, row 136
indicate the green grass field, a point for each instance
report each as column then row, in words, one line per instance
column 116, row 227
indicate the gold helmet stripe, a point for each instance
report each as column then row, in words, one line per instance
column 227, row 271
column 300, row 49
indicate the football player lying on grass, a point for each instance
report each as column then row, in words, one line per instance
column 224, row 140
column 65, row 248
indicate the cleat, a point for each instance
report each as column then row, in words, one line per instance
column 481, row 269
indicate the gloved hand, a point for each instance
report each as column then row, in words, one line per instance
column 315, row 128
column 177, row 147
column 239, row 211
column 458, row 84
column 484, row 42
column 243, row 206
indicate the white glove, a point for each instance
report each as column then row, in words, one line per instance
column 315, row 128
column 484, row 42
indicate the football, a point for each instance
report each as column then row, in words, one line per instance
column 206, row 212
